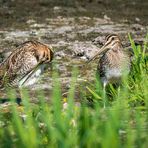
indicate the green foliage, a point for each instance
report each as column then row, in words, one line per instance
column 123, row 123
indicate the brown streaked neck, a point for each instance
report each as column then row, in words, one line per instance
column 117, row 47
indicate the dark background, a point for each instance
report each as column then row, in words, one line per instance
column 16, row 12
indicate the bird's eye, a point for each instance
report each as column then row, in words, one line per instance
column 113, row 38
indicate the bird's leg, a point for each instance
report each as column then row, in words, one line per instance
column 118, row 91
column 18, row 96
column 104, row 94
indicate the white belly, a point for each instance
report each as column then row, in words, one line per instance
column 113, row 73
column 27, row 81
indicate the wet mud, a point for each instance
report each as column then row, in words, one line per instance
column 70, row 30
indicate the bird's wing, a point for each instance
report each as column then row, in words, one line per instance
column 28, row 74
column 20, row 67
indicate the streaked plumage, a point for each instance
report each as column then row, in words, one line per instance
column 114, row 60
column 25, row 61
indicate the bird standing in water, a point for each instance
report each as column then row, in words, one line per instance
column 24, row 64
column 114, row 61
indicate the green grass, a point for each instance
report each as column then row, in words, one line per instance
column 123, row 123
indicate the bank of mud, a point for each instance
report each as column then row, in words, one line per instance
column 71, row 37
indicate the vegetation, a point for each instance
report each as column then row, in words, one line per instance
column 123, row 123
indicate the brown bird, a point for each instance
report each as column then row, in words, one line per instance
column 114, row 61
column 24, row 64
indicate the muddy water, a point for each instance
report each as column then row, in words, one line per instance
column 71, row 38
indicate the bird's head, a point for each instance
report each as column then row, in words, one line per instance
column 112, row 42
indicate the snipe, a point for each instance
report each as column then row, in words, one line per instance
column 114, row 61
column 24, row 64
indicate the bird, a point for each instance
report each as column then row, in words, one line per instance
column 114, row 61
column 25, row 64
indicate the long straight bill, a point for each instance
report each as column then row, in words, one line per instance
column 101, row 51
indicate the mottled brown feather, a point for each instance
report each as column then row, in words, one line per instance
column 115, row 58
column 23, row 60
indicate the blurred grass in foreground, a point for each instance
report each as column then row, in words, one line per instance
column 123, row 123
